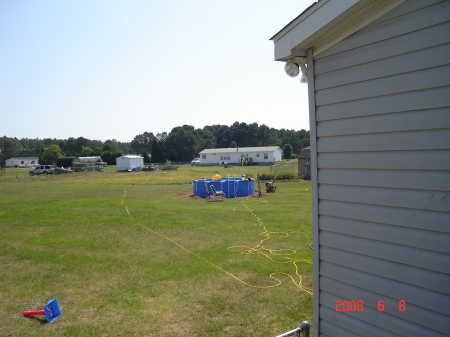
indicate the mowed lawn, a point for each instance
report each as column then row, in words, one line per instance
column 134, row 254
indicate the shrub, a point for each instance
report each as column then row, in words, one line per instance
column 279, row 176
column 168, row 166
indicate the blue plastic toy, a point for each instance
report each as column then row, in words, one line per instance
column 51, row 311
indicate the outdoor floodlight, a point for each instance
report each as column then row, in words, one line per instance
column 291, row 69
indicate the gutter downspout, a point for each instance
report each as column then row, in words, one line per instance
column 315, row 189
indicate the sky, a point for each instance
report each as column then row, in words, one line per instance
column 109, row 69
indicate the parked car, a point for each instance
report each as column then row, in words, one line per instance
column 195, row 162
column 43, row 169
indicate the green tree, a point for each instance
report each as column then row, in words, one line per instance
column 86, row 152
column 221, row 134
column 97, row 151
column 303, row 134
column 146, row 157
column 110, row 157
column 251, row 135
column 238, row 133
column 123, row 147
column 181, row 143
column 80, row 143
column 110, row 145
column 162, row 136
column 266, row 136
column 9, row 147
column 287, row 151
column 73, row 146
column 158, row 151
column 30, row 147
column 142, row 142
column 304, row 143
column 50, row 154
column 290, row 137
column 205, row 139
column 107, row 147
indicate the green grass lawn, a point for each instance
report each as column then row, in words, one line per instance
column 132, row 254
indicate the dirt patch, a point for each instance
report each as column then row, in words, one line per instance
column 257, row 194
column 185, row 194
column 188, row 194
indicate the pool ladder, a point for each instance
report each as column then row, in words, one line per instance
column 231, row 187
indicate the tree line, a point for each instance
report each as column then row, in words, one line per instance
column 181, row 144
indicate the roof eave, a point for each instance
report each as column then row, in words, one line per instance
column 326, row 23
column 241, row 149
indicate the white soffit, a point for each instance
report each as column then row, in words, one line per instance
column 327, row 23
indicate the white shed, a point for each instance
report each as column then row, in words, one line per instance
column 22, row 162
column 256, row 155
column 129, row 162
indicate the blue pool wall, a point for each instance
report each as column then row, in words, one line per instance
column 233, row 187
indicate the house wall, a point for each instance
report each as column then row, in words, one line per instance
column 381, row 163
column 236, row 157
column 136, row 162
column 22, row 161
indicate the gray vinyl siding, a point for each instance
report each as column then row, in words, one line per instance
column 382, row 168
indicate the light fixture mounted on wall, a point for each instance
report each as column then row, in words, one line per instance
column 293, row 66
column 291, row 69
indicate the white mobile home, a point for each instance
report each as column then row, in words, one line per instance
column 263, row 155
column 22, row 162
column 378, row 78
column 129, row 162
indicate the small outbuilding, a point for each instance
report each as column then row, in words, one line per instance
column 304, row 163
column 92, row 160
column 80, row 164
column 68, row 161
column 93, row 163
column 129, row 162
column 22, row 162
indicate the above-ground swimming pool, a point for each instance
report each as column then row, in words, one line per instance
column 232, row 187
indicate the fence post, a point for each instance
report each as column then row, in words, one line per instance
column 304, row 330
column 305, row 326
